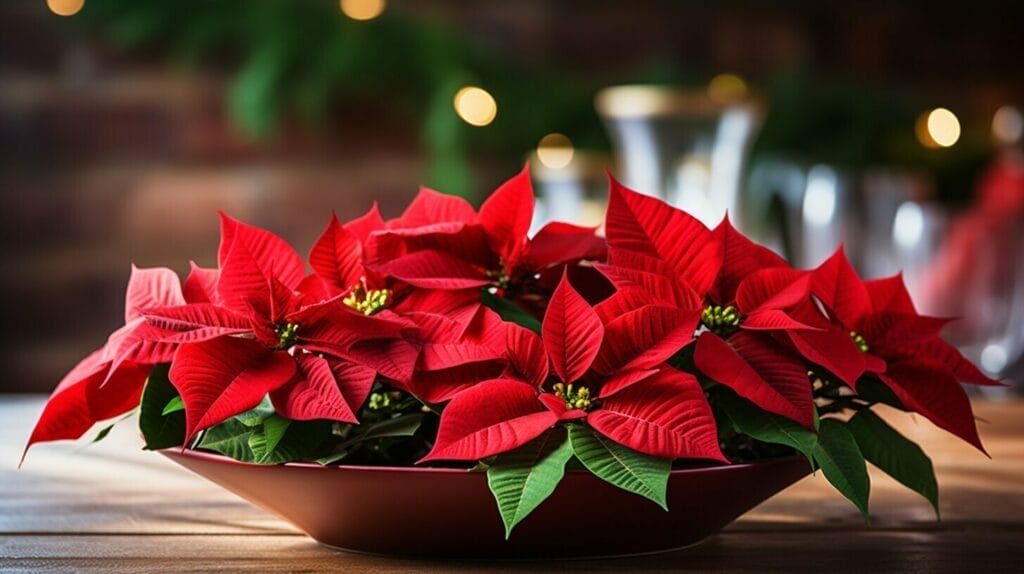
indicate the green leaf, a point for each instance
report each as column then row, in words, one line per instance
column 160, row 430
column 301, row 441
column 230, row 438
column 173, row 406
column 265, row 438
column 405, row 425
column 106, row 430
column 254, row 98
column 843, row 464
column 895, row 455
column 255, row 416
column 523, row 478
column 624, row 467
column 768, row 427
column 874, row 391
column 509, row 311
column 103, row 433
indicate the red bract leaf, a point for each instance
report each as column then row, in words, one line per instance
column 366, row 224
column 201, row 285
column 65, row 416
column 150, row 288
column 252, row 257
column 623, row 381
column 507, row 214
column 528, row 359
column 436, row 387
column 773, row 288
column 312, row 291
column 326, row 390
column 437, row 356
column 772, row 320
column 435, row 327
column 275, row 257
column 557, row 243
column 740, row 258
column 946, row 357
column 226, row 376
column 78, row 402
column 759, row 370
column 839, row 288
column 662, row 289
column 393, row 358
column 337, row 257
column 436, row 270
column 486, row 327
column 333, row 325
column 430, row 207
column 885, row 329
column 119, row 392
column 490, row 418
column 557, row 406
column 649, row 226
column 666, row 415
column 832, row 349
column 192, row 323
column 641, row 262
column 624, row 300
column 890, row 294
column 645, row 337
column 458, row 305
column 126, row 346
column 572, row 332
column 936, row 395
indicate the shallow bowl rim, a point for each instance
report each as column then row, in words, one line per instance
column 224, row 459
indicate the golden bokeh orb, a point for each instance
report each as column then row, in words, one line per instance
column 476, row 106
column 362, row 10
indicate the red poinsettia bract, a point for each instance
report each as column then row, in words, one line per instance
column 610, row 376
column 877, row 320
column 441, row 242
column 109, row 381
column 269, row 332
column 739, row 289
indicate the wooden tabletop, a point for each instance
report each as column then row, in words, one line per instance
column 110, row 507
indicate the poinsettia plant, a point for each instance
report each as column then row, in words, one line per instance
column 450, row 336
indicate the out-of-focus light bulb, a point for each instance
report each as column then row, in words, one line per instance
column 362, row 9
column 727, row 88
column 65, row 7
column 1008, row 125
column 938, row 128
column 475, row 106
column 820, row 196
column 993, row 358
column 908, row 225
column 555, row 151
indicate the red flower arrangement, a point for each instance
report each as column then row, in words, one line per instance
column 449, row 336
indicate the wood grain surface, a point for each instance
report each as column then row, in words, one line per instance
column 111, row 507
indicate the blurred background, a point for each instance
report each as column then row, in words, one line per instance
column 893, row 128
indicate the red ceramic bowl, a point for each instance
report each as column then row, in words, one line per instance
column 446, row 513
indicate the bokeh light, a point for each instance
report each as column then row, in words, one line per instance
column 727, row 88
column 65, row 7
column 555, row 151
column 938, row 128
column 362, row 9
column 1008, row 125
column 475, row 106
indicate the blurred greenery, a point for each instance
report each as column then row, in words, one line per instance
column 850, row 124
column 302, row 56
column 299, row 58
